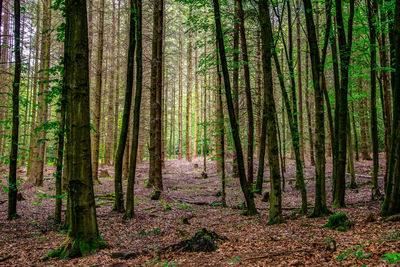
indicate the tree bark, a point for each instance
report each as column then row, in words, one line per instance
column 122, row 145
column 155, row 175
column 372, row 8
column 136, row 112
column 39, row 153
column 391, row 204
column 248, row 194
column 12, row 175
column 83, row 236
column 320, row 208
column 98, row 95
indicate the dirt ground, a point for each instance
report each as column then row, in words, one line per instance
column 157, row 224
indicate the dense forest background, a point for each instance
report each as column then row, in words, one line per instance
column 138, row 116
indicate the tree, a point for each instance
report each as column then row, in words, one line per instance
column 97, row 95
column 155, row 175
column 391, row 204
column 12, row 176
column 119, row 196
column 136, row 112
column 188, row 141
column 341, row 106
column 248, row 194
column 269, row 118
column 39, row 152
column 320, row 204
column 249, row 103
column 372, row 16
column 83, row 236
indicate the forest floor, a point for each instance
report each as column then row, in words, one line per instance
column 159, row 223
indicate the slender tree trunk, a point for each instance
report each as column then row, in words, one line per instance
column 188, row 141
column 386, row 103
column 350, row 156
column 309, row 121
column 235, row 78
column 12, row 175
column 299, row 81
column 249, row 103
column 221, row 132
column 317, row 72
column 196, row 105
column 391, row 204
column 35, row 84
column 180, row 94
column 341, row 109
column 269, row 115
column 122, row 145
column 251, row 208
column 116, row 107
column 98, row 95
column 111, row 93
column 60, row 159
column 136, row 112
column 155, row 175
column 39, row 152
column 372, row 8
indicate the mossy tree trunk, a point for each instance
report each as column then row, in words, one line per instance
column 269, row 115
column 83, row 236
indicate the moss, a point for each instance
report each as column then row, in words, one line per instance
column 339, row 222
column 72, row 248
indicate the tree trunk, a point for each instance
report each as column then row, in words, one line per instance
column 12, row 176
column 320, row 208
column 97, row 95
column 180, row 94
column 83, row 236
column 251, row 208
column 136, row 112
column 111, row 93
column 391, row 204
column 155, row 175
column 196, row 105
column 188, row 141
column 221, row 132
column 341, row 109
column 119, row 196
column 269, row 115
column 35, row 83
column 372, row 8
column 249, row 103
column 299, row 81
column 39, row 153
column 235, row 78
column 309, row 121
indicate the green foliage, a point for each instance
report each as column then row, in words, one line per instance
column 155, row 231
column 357, row 253
column 392, row 257
column 169, row 264
column 338, row 221
column 235, row 259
